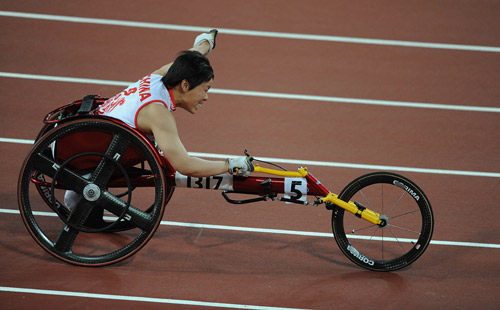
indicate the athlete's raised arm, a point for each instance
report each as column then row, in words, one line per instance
column 204, row 44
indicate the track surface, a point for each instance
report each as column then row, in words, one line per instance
column 189, row 268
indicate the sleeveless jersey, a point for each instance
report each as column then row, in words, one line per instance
column 126, row 105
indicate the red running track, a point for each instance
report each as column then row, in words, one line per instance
column 274, row 270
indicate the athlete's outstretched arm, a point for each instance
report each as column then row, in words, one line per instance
column 161, row 123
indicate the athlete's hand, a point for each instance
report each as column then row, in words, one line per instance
column 206, row 37
column 242, row 166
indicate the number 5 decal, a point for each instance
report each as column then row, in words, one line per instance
column 296, row 188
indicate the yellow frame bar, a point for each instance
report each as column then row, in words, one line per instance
column 297, row 174
column 367, row 214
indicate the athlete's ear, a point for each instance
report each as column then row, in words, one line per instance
column 185, row 85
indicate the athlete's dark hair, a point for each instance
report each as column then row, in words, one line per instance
column 191, row 66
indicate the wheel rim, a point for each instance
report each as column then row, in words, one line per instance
column 408, row 229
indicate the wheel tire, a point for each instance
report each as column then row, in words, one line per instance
column 404, row 207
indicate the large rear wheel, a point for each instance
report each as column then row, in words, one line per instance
column 82, row 158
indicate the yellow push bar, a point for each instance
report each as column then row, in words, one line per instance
column 301, row 173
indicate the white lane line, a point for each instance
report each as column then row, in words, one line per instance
column 270, row 34
column 67, row 79
column 17, row 141
column 376, row 102
column 137, row 298
column 318, row 234
column 324, row 163
column 280, row 231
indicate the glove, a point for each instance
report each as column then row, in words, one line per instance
column 242, row 166
column 208, row 37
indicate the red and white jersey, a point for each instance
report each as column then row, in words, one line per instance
column 126, row 105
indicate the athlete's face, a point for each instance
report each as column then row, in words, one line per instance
column 194, row 98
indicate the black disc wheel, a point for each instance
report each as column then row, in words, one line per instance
column 406, row 229
column 92, row 191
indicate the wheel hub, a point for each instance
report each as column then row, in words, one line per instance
column 385, row 221
column 91, row 192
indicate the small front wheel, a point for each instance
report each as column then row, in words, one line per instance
column 408, row 222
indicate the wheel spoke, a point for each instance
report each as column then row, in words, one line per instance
column 382, row 198
column 404, row 214
column 105, row 169
column 66, row 239
column 76, row 220
column 396, row 204
column 353, row 231
column 65, row 176
column 369, row 239
column 135, row 216
column 397, row 240
column 405, row 229
column 367, row 201
column 383, row 244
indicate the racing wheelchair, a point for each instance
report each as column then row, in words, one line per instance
column 381, row 221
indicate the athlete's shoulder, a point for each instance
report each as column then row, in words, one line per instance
column 154, row 116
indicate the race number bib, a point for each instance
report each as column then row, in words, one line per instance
column 296, row 188
column 220, row 182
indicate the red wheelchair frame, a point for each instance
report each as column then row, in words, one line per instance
column 69, row 146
